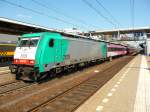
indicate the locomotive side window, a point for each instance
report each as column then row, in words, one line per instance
column 51, row 43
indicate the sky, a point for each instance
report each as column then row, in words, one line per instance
column 62, row 14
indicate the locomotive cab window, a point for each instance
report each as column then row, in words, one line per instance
column 51, row 43
column 28, row 42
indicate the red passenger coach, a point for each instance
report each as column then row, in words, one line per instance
column 115, row 50
column 132, row 50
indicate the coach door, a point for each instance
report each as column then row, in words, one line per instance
column 61, row 47
column 64, row 51
column 57, row 50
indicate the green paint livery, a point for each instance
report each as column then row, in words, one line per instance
column 45, row 54
column 103, row 48
column 50, row 56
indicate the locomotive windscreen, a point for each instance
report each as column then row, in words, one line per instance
column 28, row 42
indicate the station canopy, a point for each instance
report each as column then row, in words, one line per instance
column 121, row 31
column 8, row 26
column 14, row 27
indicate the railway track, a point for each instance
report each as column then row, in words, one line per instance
column 6, row 77
column 12, row 86
column 4, row 70
column 62, row 96
column 70, row 100
column 4, row 73
column 9, row 82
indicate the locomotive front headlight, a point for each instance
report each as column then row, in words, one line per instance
column 32, row 61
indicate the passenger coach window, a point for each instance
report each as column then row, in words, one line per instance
column 51, row 43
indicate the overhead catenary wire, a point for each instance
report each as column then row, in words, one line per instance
column 39, row 13
column 64, row 14
column 132, row 4
column 132, row 14
column 132, row 7
column 109, row 13
column 99, row 13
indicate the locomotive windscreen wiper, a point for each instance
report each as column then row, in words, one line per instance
column 33, row 42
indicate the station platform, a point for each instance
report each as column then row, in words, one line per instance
column 127, row 91
column 5, row 75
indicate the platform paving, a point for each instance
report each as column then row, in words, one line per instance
column 127, row 91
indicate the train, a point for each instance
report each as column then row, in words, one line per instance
column 43, row 53
column 7, row 52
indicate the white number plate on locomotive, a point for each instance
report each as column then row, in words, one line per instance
column 23, row 56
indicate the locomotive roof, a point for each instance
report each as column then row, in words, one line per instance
column 69, row 35
column 62, row 33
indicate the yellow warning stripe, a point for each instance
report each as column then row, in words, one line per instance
column 6, row 53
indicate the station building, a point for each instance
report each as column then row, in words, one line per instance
column 134, row 37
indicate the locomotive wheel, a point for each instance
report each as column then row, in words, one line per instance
column 35, row 76
column 19, row 73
